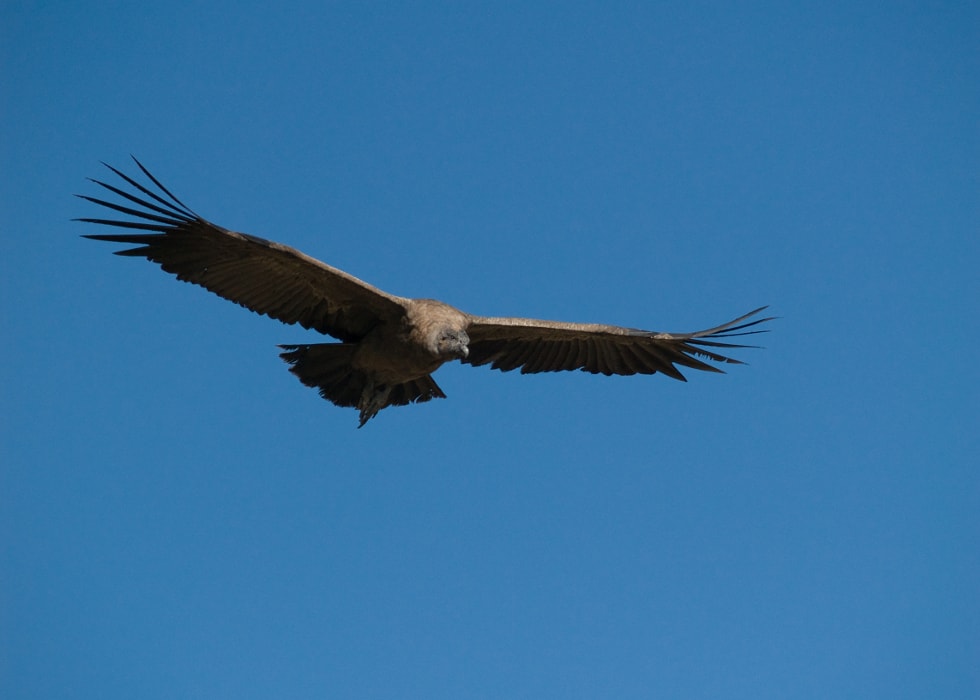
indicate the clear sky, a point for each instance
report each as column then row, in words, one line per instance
column 181, row 518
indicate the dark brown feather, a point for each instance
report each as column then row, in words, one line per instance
column 261, row 275
column 551, row 346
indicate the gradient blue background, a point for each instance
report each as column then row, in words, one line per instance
column 182, row 519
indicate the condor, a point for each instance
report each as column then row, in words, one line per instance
column 389, row 345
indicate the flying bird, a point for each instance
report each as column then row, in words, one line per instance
column 389, row 345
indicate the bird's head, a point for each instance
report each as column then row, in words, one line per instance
column 451, row 343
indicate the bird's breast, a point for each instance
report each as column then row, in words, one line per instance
column 392, row 356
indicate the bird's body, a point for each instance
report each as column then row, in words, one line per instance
column 390, row 345
column 392, row 364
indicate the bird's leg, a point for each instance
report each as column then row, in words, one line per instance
column 372, row 400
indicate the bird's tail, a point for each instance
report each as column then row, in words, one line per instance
column 328, row 367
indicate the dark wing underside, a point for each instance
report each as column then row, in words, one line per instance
column 550, row 346
column 263, row 276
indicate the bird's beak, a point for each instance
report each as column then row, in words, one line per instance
column 464, row 352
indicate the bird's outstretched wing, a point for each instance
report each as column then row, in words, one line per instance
column 263, row 276
column 552, row 346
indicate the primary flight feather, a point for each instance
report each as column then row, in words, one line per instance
column 389, row 345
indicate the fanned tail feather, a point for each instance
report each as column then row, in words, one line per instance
column 327, row 367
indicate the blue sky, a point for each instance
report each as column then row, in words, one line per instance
column 181, row 518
